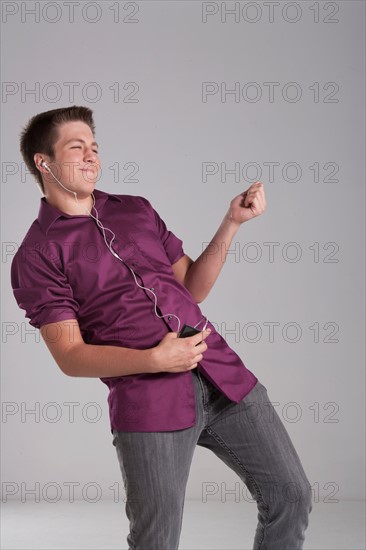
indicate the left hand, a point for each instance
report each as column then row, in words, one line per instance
column 248, row 205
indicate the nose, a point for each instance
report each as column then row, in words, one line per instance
column 91, row 156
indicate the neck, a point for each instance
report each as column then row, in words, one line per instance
column 68, row 204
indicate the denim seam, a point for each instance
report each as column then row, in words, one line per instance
column 203, row 392
column 234, row 456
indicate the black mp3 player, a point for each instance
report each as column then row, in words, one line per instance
column 187, row 330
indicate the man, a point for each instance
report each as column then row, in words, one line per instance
column 110, row 288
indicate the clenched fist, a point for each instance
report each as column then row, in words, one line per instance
column 249, row 204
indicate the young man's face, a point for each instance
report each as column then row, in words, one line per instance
column 76, row 161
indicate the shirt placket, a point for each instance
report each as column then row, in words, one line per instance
column 148, row 279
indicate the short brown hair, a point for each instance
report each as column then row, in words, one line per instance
column 41, row 133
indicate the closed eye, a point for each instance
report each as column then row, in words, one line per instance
column 79, row 147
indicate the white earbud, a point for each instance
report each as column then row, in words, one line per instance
column 45, row 165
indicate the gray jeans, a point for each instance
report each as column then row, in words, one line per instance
column 247, row 436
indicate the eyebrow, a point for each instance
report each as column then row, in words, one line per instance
column 81, row 141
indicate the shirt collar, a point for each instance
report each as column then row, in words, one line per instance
column 48, row 214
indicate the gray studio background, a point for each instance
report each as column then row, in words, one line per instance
column 142, row 69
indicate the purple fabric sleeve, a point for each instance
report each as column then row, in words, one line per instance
column 41, row 289
column 173, row 246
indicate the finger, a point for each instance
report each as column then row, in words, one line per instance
column 255, row 191
column 255, row 187
column 200, row 336
column 256, row 206
column 257, row 200
column 262, row 195
column 248, row 200
column 201, row 347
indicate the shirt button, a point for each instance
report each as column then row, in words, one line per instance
column 152, row 288
column 170, row 317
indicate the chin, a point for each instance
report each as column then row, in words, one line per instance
column 85, row 190
column 87, row 184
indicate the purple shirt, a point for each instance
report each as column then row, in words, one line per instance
column 64, row 270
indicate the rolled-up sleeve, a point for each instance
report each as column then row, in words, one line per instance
column 172, row 244
column 41, row 288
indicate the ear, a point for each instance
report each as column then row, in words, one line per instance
column 38, row 158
